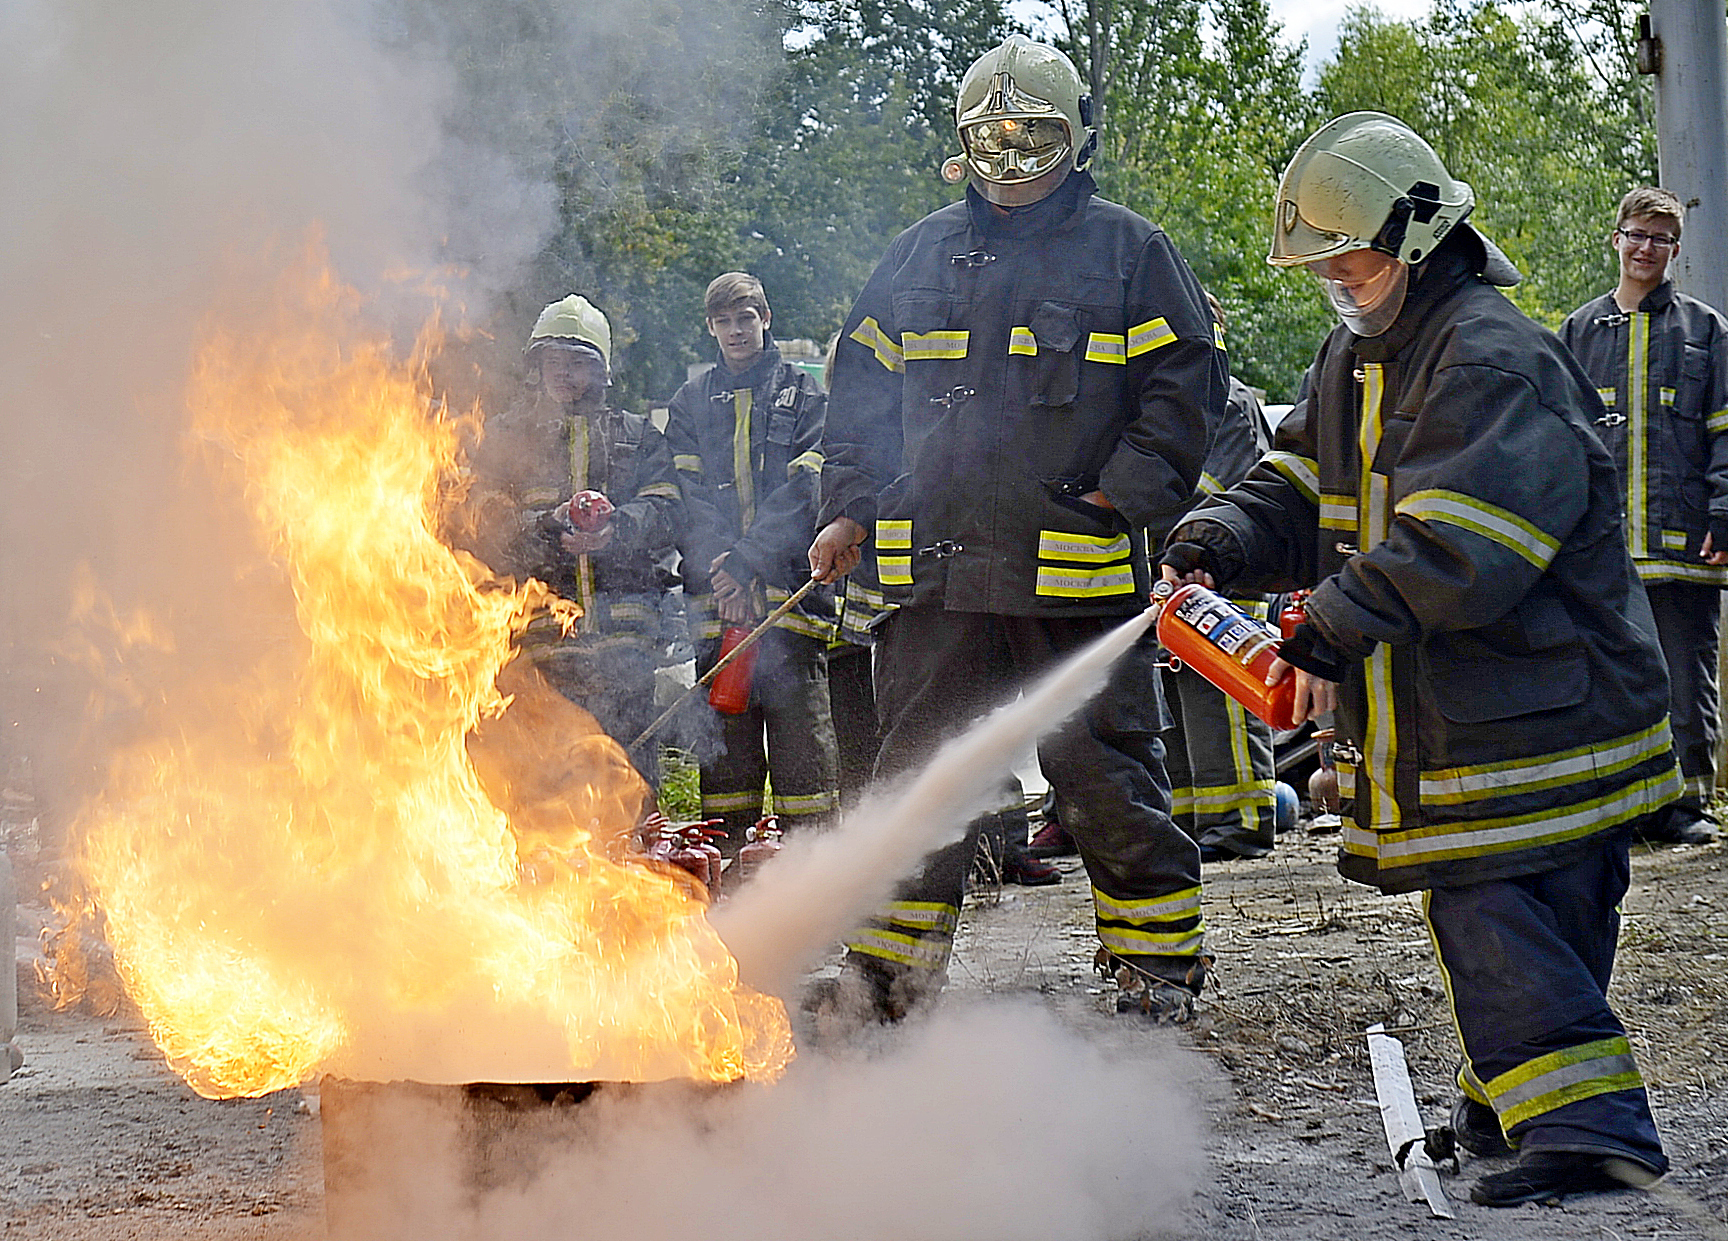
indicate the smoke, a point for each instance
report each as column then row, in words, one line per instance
column 818, row 888
column 986, row 1120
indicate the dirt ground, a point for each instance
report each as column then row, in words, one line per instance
column 99, row 1141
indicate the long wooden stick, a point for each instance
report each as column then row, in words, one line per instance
column 749, row 641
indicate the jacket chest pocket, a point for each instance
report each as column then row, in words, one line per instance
column 1689, row 407
column 1052, row 339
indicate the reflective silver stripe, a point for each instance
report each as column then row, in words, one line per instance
column 748, row 800
column 1215, row 801
column 926, row 346
column 1077, row 583
column 665, row 491
column 1451, row 785
column 1548, row 1082
column 811, row 461
column 1173, row 905
column 1302, row 472
column 1021, row 341
column 1717, row 421
column 1666, row 395
column 894, row 570
column 1637, row 431
column 1674, row 540
column 893, row 533
column 1338, row 512
column 1092, row 549
column 1609, row 395
column 688, row 462
column 923, row 952
column 869, row 333
column 540, row 497
column 808, row 803
column 1209, row 485
column 1671, row 571
column 1380, row 736
column 926, row 915
column 809, row 626
column 1107, row 347
column 1153, row 334
column 633, row 612
column 1152, row 943
column 1479, row 517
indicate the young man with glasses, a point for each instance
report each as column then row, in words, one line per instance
column 1659, row 360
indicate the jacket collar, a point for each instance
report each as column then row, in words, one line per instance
column 751, row 377
column 1431, row 282
column 1657, row 299
column 1044, row 216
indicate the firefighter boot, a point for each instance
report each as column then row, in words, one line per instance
column 1151, row 996
column 867, row 992
column 1549, row 1175
column 1477, row 1129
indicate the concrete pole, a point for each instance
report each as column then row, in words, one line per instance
column 1690, row 40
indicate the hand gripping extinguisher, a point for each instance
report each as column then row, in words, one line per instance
column 730, row 693
column 1228, row 647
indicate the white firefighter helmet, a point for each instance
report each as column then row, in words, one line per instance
column 1365, row 181
column 574, row 320
column 1022, row 114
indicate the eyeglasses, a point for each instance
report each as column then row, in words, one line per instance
column 1637, row 237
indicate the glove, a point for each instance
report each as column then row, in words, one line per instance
column 1207, row 546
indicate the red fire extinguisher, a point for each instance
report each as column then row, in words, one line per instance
column 763, row 843
column 1228, row 647
column 730, row 693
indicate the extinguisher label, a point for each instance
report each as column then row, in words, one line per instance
column 1236, row 634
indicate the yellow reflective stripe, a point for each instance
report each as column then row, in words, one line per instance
column 1257, row 787
column 1637, row 450
column 1380, row 736
column 1492, row 522
column 633, row 612
column 888, row 352
column 1074, row 582
column 1091, row 548
column 1700, row 787
column 1302, row 472
column 1450, row 786
column 1609, row 396
column 862, row 595
column 1675, row 571
column 1155, row 334
column 1153, row 943
column 1107, row 347
column 1717, row 421
column 929, row 953
column 925, row 915
column 1021, row 341
column 1208, row 801
column 1666, row 395
column 1480, row 837
column 1208, row 485
column 809, row 626
column 893, row 533
column 1217, row 336
column 1561, row 1077
column 667, row 491
column 894, row 570
column 925, row 346
column 811, row 461
column 743, row 473
column 750, row 799
column 1184, row 903
column 807, row 803
column 690, row 463
column 543, row 497
column 1338, row 512
column 1674, row 540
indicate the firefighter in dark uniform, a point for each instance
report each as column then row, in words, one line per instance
column 1476, row 620
column 561, row 440
column 744, row 438
column 1222, row 778
column 1024, row 385
column 1659, row 360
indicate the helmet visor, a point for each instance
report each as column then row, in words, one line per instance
column 1365, row 288
column 1010, row 148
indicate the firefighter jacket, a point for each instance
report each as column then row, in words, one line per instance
column 744, row 447
column 995, row 369
column 1503, row 698
column 534, row 457
column 1238, row 442
column 1662, row 372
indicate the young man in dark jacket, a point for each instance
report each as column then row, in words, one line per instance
column 744, row 438
column 1659, row 360
column 1023, row 387
column 1476, row 620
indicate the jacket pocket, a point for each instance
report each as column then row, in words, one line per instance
column 1055, row 329
column 1528, row 662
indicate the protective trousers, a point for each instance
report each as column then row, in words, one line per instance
column 1526, row 963
column 1687, row 621
column 852, row 699
column 786, row 733
column 612, row 678
column 1221, row 774
column 936, row 672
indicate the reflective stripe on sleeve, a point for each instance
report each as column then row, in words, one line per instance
column 869, row 333
column 690, row 463
column 1717, row 421
column 1155, row 334
column 1492, row 522
column 1302, row 472
column 927, row 346
column 811, row 461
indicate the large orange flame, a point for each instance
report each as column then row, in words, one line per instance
column 317, row 875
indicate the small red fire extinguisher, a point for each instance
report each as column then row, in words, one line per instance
column 730, row 693
column 1228, row 647
column 764, row 843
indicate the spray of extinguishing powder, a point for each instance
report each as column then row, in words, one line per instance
column 820, row 887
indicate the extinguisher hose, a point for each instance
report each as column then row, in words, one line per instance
column 749, row 641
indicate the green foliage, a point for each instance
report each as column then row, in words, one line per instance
column 680, row 785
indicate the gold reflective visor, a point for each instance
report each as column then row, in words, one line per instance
column 1015, row 148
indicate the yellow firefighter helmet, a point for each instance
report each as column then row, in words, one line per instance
column 573, row 321
column 1365, row 181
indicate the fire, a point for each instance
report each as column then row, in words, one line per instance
column 348, row 859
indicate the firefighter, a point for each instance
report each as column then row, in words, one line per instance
column 1479, row 626
column 1220, row 757
column 744, row 444
column 1659, row 360
column 1024, row 385
column 560, row 440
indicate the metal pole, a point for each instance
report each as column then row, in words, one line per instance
column 1690, row 60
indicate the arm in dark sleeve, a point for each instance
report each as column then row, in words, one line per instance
column 775, row 544
column 653, row 516
column 862, row 439
column 1151, row 474
column 1716, row 434
column 700, row 536
column 1489, row 485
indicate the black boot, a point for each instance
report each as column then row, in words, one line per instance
column 1547, row 1176
column 1477, row 1129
